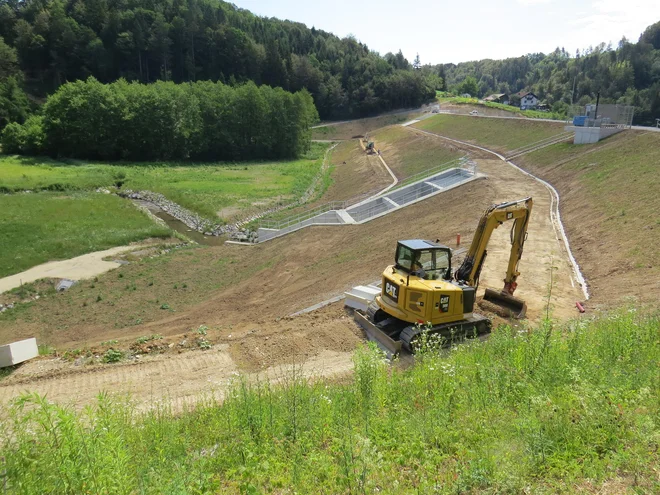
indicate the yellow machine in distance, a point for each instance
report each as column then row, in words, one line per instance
column 421, row 288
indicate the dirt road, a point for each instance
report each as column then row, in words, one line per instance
column 81, row 267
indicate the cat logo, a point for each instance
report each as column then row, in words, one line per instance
column 444, row 304
column 392, row 290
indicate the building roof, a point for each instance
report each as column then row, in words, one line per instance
column 524, row 93
column 495, row 96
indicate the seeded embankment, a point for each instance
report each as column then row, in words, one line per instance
column 497, row 134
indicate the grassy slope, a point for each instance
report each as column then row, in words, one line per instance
column 557, row 410
column 358, row 128
column 134, row 294
column 610, row 200
column 35, row 228
column 499, row 134
column 408, row 153
column 203, row 188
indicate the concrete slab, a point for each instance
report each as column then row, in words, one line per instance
column 17, row 352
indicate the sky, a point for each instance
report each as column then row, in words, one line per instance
column 444, row 31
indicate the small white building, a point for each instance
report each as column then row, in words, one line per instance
column 528, row 101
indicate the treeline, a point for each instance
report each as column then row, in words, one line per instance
column 628, row 74
column 54, row 41
column 166, row 121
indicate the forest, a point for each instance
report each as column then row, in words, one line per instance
column 166, row 121
column 45, row 43
column 627, row 74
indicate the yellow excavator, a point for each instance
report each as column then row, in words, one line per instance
column 420, row 293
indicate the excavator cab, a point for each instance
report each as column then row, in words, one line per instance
column 424, row 259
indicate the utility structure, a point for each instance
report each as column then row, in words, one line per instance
column 421, row 290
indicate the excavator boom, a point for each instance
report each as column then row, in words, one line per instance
column 470, row 270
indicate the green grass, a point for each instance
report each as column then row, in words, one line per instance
column 409, row 153
column 618, row 177
column 203, row 188
column 532, row 114
column 360, row 127
column 35, row 228
column 556, row 410
column 500, row 134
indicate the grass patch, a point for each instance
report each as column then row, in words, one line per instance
column 619, row 178
column 35, row 228
column 107, row 302
column 203, row 188
column 360, row 127
column 541, row 412
column 532, row 114
column 408, row 153
column 499, row 134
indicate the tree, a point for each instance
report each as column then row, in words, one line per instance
column 469, row 86
column 417, row 64
column 8, row 60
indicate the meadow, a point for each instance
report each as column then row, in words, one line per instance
column 206, row 188
column 35, row 228
column 557, row 409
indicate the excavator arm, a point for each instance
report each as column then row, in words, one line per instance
column 470, row 270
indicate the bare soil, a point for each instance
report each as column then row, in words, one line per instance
column 181, row 378
column 248, row 313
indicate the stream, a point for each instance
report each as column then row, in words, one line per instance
column 179, row 226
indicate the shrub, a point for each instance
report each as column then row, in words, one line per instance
column 113, row 356
column 13, row 137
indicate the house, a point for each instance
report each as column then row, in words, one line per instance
column 498, row 98
column 528, row 100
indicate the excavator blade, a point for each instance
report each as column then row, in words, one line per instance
column 511, row 306
column 385, row 342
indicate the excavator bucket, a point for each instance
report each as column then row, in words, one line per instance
column 510, row 306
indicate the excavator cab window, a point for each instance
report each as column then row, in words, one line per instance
column 430, row 263
column 434, row 263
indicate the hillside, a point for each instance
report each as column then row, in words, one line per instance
column 628, row 73
column 610, row 203
column 51, row 42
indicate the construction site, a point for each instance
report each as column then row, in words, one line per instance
column 257, row 306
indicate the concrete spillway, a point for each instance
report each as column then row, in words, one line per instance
column 372, row 208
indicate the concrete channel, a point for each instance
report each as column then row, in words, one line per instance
column 376, row 207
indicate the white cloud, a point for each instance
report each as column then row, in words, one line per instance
column 533, row 2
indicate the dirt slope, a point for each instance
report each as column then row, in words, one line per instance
column 320, row 344
column 318, row 263
column 610, row 203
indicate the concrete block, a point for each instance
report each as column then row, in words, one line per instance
column 18, row 352
column 360, row 297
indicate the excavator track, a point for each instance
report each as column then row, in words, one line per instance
column 451, row 333
column 392, row 335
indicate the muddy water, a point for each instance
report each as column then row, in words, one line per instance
column 181, row 227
